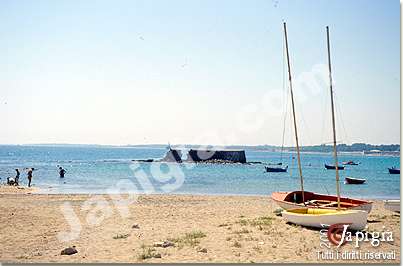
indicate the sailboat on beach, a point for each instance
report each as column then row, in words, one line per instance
column 304, row 199
column 318, row 217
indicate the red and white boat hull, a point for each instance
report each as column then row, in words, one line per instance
column 292, row 200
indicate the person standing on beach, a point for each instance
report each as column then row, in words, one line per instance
column 17, row 176
column 61, row 172
column 29, row 175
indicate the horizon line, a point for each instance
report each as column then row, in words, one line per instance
column 165, row 144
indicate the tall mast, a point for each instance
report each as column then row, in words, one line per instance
column 333, row 120
column 293, row 114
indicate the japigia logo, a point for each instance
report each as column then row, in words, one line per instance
column 339, row 235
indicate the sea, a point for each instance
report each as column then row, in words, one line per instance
column 106, row 169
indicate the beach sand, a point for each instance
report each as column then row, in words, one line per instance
column 203, row 228
column 4, row 189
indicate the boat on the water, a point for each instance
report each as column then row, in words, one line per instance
column 392, row 205
column 394, row 171
column 333, row 167
column 356, row 181
column 293, row 200
column 350, row 163
column 318, row 218
column 273, row 169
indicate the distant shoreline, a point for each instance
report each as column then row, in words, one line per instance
column 370, row 149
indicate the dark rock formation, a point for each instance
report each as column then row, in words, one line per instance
column 233, row 156
column 173, row 156
column 143, row 160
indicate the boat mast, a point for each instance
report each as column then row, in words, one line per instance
column 333, row 121
column 293, row 114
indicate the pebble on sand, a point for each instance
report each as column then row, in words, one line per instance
column 69, row 251
column 202, row 250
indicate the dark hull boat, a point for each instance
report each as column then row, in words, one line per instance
column 356, row 181
column 276, row 169
column 350, row 163
column 394, row 171
column 332, row 167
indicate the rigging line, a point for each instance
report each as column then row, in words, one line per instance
column 326, row 189
column 292, row 164
column 339, row 115
column 325, row 105
column 305, row 125
column 284, row 123
column 285, row 99
column 284, row 126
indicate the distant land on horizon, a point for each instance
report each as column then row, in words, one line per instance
column 355, row 147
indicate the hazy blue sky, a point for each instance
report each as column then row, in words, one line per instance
column 195, row 71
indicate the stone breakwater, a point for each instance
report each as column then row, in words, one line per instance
column 203, row 156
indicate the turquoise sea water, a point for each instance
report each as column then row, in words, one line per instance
column 95, row 169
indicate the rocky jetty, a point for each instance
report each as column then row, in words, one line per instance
column 217, row 156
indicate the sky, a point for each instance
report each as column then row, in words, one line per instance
column 197, row 71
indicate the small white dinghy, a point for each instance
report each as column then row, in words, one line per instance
column 314, row 217
column 392, row 205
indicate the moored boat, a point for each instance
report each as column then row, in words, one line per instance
column 318, row 218
column 350, row 163
column 392, row 205
column 276, row 169
column 394, row 171
column 333, row 167
column 356, row 181
column 293, row 200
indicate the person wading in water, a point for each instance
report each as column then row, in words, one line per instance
column 61, row 172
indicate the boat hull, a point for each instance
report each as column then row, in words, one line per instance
column 319, row 218
column 394, row 171
column 276, row 169
column 349, row 163
column 293, row 200
column 354, row 181
column 332, row 167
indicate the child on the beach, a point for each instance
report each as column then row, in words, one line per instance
column 13, row 181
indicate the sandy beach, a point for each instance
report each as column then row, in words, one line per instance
column 201, row 228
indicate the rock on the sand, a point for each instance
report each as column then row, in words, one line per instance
column 278, row 211
column 202, row 250
column 164, row 244
column 69, row 251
